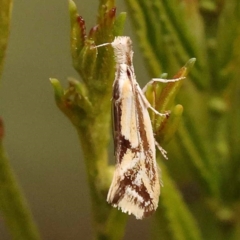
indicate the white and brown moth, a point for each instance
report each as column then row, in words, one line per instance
column 135, row 187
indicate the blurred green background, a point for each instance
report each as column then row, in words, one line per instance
column 42, row 145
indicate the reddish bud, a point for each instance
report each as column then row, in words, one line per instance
column 82, row 26
column 112, row 13
column 93, row 31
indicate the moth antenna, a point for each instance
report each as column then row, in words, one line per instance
column 101, row 45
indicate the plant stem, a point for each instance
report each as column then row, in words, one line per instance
column 13, row 205
column 94, row 141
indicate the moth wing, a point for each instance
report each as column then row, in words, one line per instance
column 135, row 186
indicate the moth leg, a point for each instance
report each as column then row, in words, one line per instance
column 162, row 80
column 163, row 151
column 148, row 105
column 166, row 114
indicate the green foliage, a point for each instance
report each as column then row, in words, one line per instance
column 200, row 198
column 13, row 206
column 205, row 156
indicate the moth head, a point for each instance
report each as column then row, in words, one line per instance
column 123, row 44
column 122, row 47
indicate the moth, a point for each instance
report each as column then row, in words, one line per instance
column 135, row 188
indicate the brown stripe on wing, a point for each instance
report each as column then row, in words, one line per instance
column 121, row 144
column 147, row 205
column 117, row 114
column 149, row 157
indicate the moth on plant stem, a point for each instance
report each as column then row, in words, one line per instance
column 135, row 187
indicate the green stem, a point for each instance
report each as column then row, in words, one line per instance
column 13, row 205
column 94, row 139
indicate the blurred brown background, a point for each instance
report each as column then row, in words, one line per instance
column 42, row 144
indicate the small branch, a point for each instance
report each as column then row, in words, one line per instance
column 13, row 205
